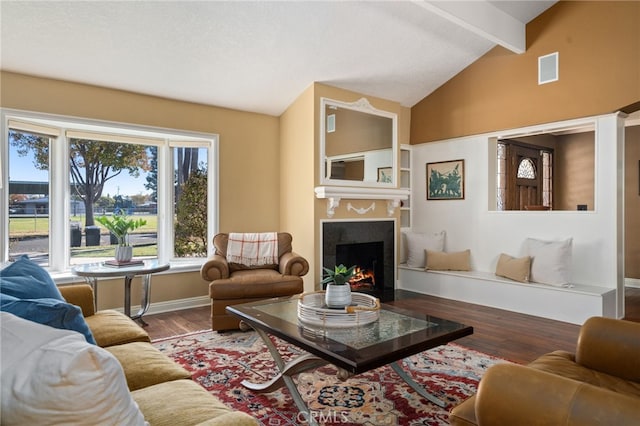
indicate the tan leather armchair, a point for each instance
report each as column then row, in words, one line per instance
column 598, row 385
column 232, row 283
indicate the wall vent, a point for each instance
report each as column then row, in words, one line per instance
column 548, row 68
column 331, row 123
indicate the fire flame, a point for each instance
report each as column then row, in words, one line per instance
column 362, row 279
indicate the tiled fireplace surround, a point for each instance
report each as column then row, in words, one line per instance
column 371, row 239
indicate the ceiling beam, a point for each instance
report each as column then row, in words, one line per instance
column 483, row 19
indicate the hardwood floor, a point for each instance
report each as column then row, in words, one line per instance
column 516, row 337
column 178, row 322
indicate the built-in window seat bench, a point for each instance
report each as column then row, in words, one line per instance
column 574, row 303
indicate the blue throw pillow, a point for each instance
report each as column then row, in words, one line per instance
column 25, row 279
column 51, row 312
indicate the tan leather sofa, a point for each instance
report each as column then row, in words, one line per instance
column 233, row 283
column 163, row 390
column 598, row 385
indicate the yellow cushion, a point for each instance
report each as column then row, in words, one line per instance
column 186, row 403
column 145, row 365
column 455, row 261
column 114, row 328
column 516, row 269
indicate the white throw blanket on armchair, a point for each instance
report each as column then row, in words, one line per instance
column 253, row 249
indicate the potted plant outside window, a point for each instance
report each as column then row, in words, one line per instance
column 338, row 290
column 120, row 226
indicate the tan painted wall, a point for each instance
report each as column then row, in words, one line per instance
column 632, row 202
column 297, row 156
column 575, row 169
column 404, row 126
column 599, row 70
column 165, row 287
column 249, row 156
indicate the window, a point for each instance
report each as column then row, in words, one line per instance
column 547, row 179
column 501, row 176
column 29, row 195
column 526, row 169
column 63, row 173
column 190, row 231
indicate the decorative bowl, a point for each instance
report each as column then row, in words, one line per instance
column 312, row 310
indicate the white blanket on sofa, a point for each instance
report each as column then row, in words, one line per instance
column 253, row 249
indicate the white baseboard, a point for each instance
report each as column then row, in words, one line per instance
column 632, row 282
column 172, row 305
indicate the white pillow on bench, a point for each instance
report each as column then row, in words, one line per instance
column 550, row 260
column 418, row 243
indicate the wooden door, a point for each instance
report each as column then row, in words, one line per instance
column 524, row 177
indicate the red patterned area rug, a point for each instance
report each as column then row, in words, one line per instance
column 220, row 361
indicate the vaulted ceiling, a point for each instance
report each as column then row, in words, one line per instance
column 258, row 56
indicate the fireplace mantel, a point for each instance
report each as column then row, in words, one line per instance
column 333, row 195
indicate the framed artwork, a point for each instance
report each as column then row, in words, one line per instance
column 385, row 174
column 445, row 180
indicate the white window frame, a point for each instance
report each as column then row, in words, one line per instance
column 59, row 197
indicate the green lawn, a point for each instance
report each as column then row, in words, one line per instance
column 39, row 226
column 33, row 226
column 23, row 226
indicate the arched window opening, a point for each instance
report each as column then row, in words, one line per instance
column 526, row 169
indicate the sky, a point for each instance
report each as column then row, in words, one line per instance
column 23, row 169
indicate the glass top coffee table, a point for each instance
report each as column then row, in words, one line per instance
column 395, row 335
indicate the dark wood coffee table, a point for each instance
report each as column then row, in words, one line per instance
column 397, row 334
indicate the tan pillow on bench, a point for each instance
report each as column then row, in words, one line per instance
column 516, row 269
column 455, row 261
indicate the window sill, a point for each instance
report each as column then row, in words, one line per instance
column 177, row 267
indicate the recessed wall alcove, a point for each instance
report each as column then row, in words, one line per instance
column 363, row 242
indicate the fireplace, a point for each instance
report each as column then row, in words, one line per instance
column 368, row 258
column 370, row 245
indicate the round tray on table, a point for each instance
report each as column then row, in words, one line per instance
column 312, row 310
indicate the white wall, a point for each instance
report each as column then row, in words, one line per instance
column 597, row 237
